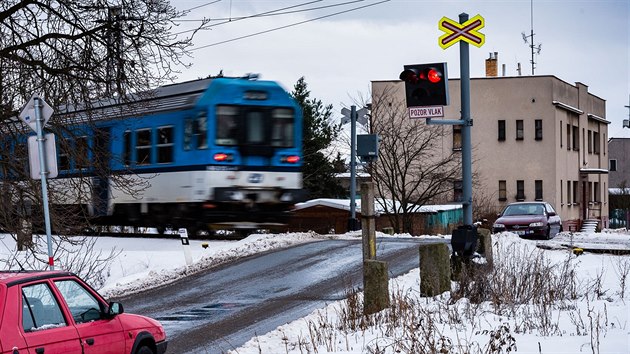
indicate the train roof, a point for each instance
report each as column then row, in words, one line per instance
column 162, row 99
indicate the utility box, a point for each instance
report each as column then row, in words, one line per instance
column 367, row 147
column 464, row 241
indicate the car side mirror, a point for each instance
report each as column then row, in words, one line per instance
column 551, row 213
column 115, row 308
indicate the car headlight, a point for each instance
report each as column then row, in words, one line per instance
column 498, row 226
column 536, row 224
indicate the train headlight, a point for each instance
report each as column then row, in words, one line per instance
column 290, row 159
column 222, row 157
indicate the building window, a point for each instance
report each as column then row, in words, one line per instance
column 576, row 138
column 520, row 190
column 538, row 128
column 590, row 142
column 568, row 136
column 569, row 193
column 501, row 130
column 502, row 191
column 561, row 133
column 538, row 187
column 519, row 129
column 458, row 191
column 165, row 144
column 457, row 137
column 612, row 165
column 596, row 143
column 576, row 195
column 561, row 193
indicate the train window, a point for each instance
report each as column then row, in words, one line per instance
column 227, row 125
column 201, row 130
column 165, row 144
column 282, row 127
column 127, row 148
column 188, row 134
column 20, row 156
column 81, row 148
column 64, row 146
column 255, row 127
column 143, row 146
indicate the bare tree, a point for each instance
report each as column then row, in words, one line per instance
column 413, row 168
column 78, row 55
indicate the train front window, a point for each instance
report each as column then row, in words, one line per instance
column 255, row 127
column 282, row 127
column 227, row 125
column 260, row 126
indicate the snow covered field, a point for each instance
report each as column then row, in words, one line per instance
column 596, row 321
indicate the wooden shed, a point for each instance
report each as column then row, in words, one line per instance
column 331, row 216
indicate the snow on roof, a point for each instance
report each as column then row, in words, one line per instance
column 619, row 191
column 344, row 204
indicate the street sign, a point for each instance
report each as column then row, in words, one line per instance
column 467, row 31
column 50, row 150
column 426, row 112
column 361, row 116
column 28, row 112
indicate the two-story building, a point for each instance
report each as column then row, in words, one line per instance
column 534, row 138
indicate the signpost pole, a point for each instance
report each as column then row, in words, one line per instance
column 353, row 169
column 42, row 163
column 466, row 127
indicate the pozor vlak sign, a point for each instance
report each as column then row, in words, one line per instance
column 426, row 112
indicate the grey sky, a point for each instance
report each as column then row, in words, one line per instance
column 582, row 41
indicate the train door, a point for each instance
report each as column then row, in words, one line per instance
column 100, row 181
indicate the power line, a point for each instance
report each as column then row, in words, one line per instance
column 271, row 14
column 251, row 16
column 288, row 26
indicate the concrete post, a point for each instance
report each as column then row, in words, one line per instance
column 435, row 269
column 368, row 221
column 376, row 286
column 485, row 244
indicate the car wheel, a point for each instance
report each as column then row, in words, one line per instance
column 144, row 350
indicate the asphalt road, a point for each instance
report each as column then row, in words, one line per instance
column 222, row 308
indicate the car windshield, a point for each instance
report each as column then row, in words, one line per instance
column 524, row 209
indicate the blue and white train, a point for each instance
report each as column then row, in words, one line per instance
column 216, row 153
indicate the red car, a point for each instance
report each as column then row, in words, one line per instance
column 55, row 312
column 529, row 219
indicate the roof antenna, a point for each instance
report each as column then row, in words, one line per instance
column 530, row 39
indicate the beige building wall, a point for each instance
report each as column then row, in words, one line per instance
column 572, row 169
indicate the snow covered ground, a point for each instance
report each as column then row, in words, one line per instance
column 595, row 323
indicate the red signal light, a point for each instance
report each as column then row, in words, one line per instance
column 434, row 76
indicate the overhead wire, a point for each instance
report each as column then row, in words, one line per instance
column 288, row 26
column 271, row 14
column 251, row 16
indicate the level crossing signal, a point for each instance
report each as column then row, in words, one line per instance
column 426, row 84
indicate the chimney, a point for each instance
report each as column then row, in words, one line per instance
column 492, row 69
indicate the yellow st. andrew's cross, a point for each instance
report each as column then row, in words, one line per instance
column 466, row 31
